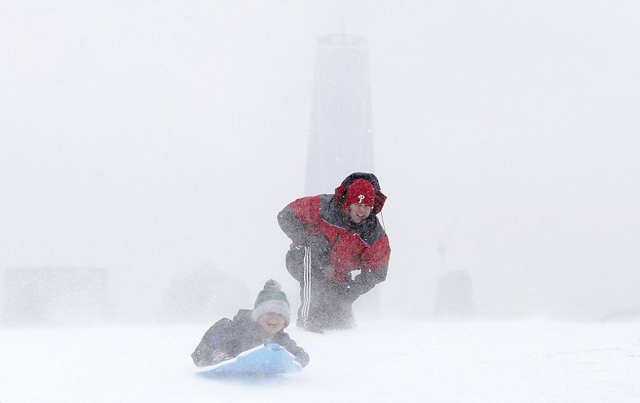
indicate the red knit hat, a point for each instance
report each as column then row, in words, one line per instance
column 361, row 191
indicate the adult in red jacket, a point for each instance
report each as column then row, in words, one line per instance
column 333, row 235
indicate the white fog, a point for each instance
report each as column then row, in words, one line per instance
column 151, row 144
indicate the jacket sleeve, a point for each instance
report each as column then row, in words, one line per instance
column 291, row 225
column 375, row 264
column 300, row 218
column 288, row 343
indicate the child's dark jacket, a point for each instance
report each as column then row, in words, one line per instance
column 239, row 335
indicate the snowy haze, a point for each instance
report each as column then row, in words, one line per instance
column 153, row 139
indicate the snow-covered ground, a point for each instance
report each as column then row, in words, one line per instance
column 380, row 361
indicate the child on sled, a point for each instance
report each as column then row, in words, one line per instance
column 250, row 328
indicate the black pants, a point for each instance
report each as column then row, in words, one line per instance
column 323, row 302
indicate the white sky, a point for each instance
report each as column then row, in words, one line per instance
column 149, row 137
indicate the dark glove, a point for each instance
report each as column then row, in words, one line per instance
column 351, row 294
column 354, row 290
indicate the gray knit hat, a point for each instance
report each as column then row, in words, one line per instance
column 271, row 300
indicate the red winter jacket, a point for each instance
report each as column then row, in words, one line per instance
column 363, row 246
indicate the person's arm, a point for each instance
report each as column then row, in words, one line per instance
column 300, row 219
column 208, row 352
column 375, row 264
column 291, row 346
column 292, row 226
column 365, row 281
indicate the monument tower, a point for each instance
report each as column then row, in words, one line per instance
column 341, row 139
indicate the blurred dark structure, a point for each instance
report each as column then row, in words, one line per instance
column 202, row 295
column 623, row 315
column 341, row 139
column 454, row 296
column 55, row 295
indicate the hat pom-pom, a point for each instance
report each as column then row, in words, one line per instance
column 272, row 285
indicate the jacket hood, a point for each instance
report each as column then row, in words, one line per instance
column 341, row 191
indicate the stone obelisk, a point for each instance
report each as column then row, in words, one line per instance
column 341, row 140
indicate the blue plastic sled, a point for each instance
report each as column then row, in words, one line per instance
column 261, row 360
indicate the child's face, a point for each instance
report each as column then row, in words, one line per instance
column 271, row 323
